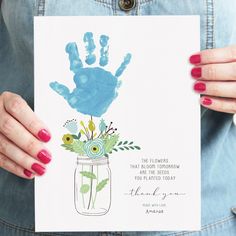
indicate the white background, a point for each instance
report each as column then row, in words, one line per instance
column 156, row 108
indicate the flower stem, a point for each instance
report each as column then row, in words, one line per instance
column 91, row 189
column 91, row 131
column 82, row 182
column 100, row 134
column 85, row 131
column 96, row 190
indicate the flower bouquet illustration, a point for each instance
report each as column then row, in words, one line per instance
column 94, row 142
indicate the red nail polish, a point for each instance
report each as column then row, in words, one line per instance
column 195, row 59
column 196, row 72
column 199, row 87
column 207, row 101
column 44, row 135
column 44, row 156
column 40, row 170
column 27, row 173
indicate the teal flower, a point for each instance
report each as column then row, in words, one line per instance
column 71, row 126
column 102, row 125
column 94, row 148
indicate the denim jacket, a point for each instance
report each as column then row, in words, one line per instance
column 218, row 133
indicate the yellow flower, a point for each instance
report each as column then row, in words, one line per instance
column 67, row 139
column 91, row 126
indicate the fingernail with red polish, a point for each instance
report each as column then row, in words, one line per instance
column 195, row 59
column 27, row 173
column 206, row 101
column 44, row 156
column 196, row 72
column 40, row 170
column 44, row 135
column 199, row 87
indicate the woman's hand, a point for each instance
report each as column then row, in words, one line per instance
column 21, row 135
column 215, row 72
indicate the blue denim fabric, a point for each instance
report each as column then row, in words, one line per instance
column 218, row 20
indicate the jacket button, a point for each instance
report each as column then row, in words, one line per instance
column 127, row 5
column 234, row 119
column 233, row 209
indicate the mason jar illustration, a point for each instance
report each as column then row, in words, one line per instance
column 92, row 186
column 94, row 146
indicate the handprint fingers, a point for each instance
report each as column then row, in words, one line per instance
column 75, row 62
column 60, row 89
column 90, row 47
column 123, row 65
column 104, row 50
column 96, row 88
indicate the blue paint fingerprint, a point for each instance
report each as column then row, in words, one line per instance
column 90, row 47
column 95, row 88
column 104, row 50
column 60, row 89
column 123, row 65
column 75, row 62
column 95, row 91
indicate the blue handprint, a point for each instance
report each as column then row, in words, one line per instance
column 95, row 88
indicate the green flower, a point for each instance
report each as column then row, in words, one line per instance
column 94, row 148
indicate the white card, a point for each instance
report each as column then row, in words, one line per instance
column 117, row 96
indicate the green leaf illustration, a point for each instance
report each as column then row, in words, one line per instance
column 119, row 143
column 84, row 188
column 124, row 147
column 101, row 185
column 68, row 147
column 88, row 174
column 106, row 155
column 110, row 142
column 78, row 147
column 76, row 136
